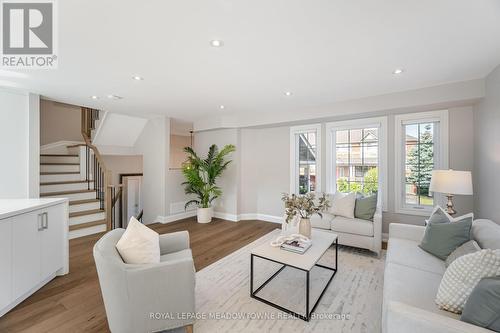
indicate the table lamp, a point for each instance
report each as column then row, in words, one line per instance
column 451, row 182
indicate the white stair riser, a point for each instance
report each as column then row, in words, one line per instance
column 59, row 168
column 64, row 187
column 59, row 178
column 85, row 206
column 59, row 159
column 77, row 196
column 87, row 231
column 87, row 218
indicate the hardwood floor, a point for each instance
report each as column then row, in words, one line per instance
column 73, row 303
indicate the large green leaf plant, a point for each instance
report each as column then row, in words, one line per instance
column 201, row 174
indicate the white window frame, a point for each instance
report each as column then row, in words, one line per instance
column 331, row 161
column 440, row 151
column 294, row 149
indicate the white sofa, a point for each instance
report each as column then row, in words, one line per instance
column 411, row 281
column 354, row 232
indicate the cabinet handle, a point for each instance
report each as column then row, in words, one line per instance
column 40, row 221
column 46, row 221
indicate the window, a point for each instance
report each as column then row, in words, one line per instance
column 305, row 159
column 421, row 146
column 356, row 156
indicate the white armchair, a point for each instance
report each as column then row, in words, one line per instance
column 147, row 298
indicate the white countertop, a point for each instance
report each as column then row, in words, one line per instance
column 12, row 207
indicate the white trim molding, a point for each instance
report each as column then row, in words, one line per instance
column 175, row 217
column 49, row 146
column 332, row 127
column 294, row 172
column 441, row 153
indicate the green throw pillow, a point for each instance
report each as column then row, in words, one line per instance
column 439, row 216
column 483, row 305
column 365, row 207
column 441, row 239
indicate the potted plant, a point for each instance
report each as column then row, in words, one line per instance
column 201, row 175
column 303, row 207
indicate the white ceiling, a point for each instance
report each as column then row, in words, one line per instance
column 324, row 51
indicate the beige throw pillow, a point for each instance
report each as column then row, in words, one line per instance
column 343, row 204
column 139, row 244
column 463, row 275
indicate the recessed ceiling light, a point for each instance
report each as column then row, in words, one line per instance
column 94, row 97
column 114, row 97
column 288, row 93
column 398, row 71
column 137, row 78
column 222, row 107
column 216, row 43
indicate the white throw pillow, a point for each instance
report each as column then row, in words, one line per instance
column 463, row 275
column 139, row 244
column 343, row 204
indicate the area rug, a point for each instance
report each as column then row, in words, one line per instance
column 352, row 302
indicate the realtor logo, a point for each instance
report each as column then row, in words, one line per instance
column 28, row 34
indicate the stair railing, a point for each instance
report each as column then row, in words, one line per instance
column 96, row 172
column 116, row 197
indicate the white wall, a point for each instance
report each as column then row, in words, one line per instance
column 230, row 180
column 487, row 151
column 19, row 144
column 152, row 145
column 264, row 165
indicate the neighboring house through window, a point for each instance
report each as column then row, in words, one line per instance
column 356, row 156
column 305, row 159
column 421, row 141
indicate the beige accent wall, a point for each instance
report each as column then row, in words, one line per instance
column 118, row 164
column 59, row 122
column 177, row 154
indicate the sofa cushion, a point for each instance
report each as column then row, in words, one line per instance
column 321, row 222
column 486, row 233
column 352, row 226
column 408, row 253
column 183, row 254
column 139, row 244
column 482, row 307
column 412, row 286
column 441, row 239
column 466, row 248
column 365, row 207
column 343, row 204
column 463, row 275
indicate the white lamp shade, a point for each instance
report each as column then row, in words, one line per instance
column 451, row 182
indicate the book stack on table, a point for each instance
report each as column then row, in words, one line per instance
column 296, row 246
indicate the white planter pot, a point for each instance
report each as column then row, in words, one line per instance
column 205, row 215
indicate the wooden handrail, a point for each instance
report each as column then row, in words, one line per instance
column 88, row 119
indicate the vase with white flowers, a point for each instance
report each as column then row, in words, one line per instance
column 303, row 207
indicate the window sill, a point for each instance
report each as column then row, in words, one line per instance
column 414, row 211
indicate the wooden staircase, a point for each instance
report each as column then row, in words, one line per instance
column 61, row 176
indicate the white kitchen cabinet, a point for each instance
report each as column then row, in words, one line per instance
column 33, row 247
column 25, row 252
column 51, row 255
column 5, row 262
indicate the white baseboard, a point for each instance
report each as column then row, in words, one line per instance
column 175, row 217
column 221, row 215
column 227, row 216
column 385, row 236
